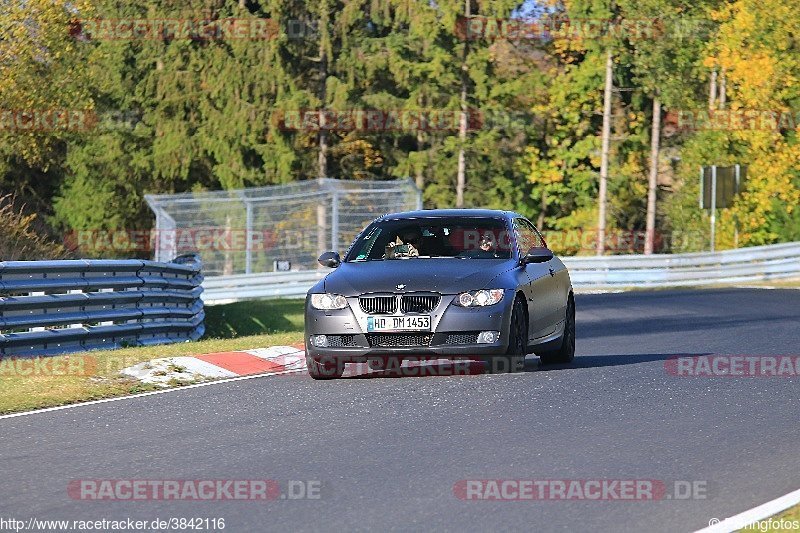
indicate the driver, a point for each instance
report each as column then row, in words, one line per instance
column 413, row 238
column 410, row 239
column 487, row 242
column 486, row 246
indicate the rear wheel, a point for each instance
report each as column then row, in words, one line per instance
column 566, row 353
column 514, row 359
column 324, row 367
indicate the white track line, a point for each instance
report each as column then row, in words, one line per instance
column 151, row 393
column 755, row 514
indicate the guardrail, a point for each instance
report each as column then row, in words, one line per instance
column 223, row 289
column 52, row 307
column 758, row 263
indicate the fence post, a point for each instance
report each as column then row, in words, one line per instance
column 248, row 268
column 321, row 223
column 713, row 207
column 157, row 256
column 335, row 221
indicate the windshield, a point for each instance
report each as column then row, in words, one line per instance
column 426, row 238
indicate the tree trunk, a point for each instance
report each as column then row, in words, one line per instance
column 322, row 157
column 462, row 126
column 606, row 139
column 542, row 211
column 655, row 138
column 420, row 178
column 712, row 91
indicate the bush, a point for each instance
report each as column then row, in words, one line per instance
column 22, row 237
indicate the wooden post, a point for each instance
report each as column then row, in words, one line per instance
column 601, row 200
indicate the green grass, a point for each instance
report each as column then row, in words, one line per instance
column 236, row 326
column 257, row 317
column 772, row 524
column 779, row 283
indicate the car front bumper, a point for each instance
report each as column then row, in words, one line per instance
column 453, row 329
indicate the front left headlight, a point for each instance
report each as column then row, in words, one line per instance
column 328, row 302
column 479, row 298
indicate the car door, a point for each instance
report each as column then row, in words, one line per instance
column 562, row 286
column 542, row 291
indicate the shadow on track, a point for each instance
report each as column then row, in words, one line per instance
column 599, row 361
column 445, row 368
column 635, row 326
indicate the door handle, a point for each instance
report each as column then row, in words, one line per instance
column 552, row 272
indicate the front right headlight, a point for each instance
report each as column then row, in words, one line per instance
column 328, row 302
column 479, row 298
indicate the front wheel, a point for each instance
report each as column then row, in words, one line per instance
column 566, row 353
column 324, row 368
column 514, row 358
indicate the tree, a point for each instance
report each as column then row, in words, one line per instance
column 45, row 100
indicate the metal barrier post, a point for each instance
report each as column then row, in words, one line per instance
column 713, row 207
column 335, row 221
column 248, row 267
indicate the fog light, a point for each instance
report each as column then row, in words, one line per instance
column 320, row 341
column 488, row 337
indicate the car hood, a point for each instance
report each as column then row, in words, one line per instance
column 445, row 276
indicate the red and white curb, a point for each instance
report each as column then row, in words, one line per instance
column 277, row 360
column 272, row 360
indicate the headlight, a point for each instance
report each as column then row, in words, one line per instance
column 479, row 298
column 328, row 302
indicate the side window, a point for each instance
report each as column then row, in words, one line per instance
column 526, row 235
column 541, row 240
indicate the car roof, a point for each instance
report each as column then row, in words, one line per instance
column 446, row 213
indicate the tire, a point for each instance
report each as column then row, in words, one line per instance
column 566, row 353
column 327, row 368
column 514, row 358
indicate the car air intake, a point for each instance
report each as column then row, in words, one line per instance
column 419, row 303
column 341, row 341
column 399, row 339
column 378, row 305
column 468, row 337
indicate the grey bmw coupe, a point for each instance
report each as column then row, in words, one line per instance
column 464, row 283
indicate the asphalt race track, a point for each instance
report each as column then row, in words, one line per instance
column 387, row 451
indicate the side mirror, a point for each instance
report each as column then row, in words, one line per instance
column 330, row 259
column 538, row 254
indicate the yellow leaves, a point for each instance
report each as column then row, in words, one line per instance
column 544, row 171
column 39, row 41
column 771, row 172
column 635, row 120
column 357, row 157
column 755, row 46
column 755, row 50
column 753, row 76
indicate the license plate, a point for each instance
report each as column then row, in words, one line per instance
column 399, row 323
